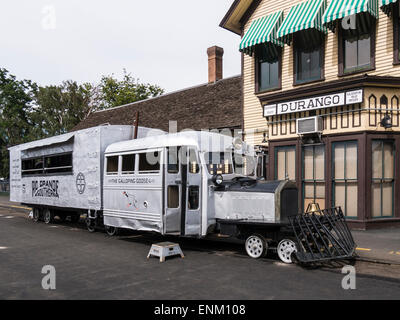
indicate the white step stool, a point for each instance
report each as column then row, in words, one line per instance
column 165, row 249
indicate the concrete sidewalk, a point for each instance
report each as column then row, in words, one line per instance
column 381, row 246
column 5, row 202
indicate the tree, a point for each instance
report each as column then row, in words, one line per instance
column 60, row 108
column 114, row 93
column 16, row 104
column 29, row 112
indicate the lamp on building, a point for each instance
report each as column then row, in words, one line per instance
column 265, row 137
column 387, row 122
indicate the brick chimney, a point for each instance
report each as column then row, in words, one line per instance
column 215, row 64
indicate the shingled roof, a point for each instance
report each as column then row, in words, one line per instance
column 208, row 106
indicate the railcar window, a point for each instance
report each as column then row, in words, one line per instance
column 50, row 164
column 173, row 197
column 32, row 166
column 112, row 165
column 149, row 162
column 193, row 162
column 128, row 164
column 173, row 160
column 194, row 193
column 58, row 163
column 219, row 163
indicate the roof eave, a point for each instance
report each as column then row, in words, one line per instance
column 232, row 21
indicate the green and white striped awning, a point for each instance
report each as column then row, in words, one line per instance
column 303, row 16
column 387, row 5
column 262, row 30
column 339, row 9
column 387, row 2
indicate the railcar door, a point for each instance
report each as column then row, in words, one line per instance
column 182, row 192
column 192, row 221
column 172, row 191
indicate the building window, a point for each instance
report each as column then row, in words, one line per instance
column 268, row 64
column 357, row 50
column 262, row 164
column 308, row 58
column 345, row 177
column 396, row 27
column 314, row 175
column 357, row 47
column 285, row 163
column 382, row 193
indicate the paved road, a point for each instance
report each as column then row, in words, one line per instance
column 373, row 245
column 94, row 266
column 383, row 245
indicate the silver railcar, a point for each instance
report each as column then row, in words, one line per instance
column 195, row 184
column 188, row 184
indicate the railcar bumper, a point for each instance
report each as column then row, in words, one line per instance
column 322, row 236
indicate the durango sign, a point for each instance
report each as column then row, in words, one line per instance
column 327, row 101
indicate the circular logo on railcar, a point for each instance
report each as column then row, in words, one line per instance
column 80, row 183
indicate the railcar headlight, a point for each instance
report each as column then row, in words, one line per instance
column 238, row 143
column 218, row 179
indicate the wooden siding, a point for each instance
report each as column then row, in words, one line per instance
column 255, row 123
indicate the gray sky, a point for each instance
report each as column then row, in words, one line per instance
column 163, row 42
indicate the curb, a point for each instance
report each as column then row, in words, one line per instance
column 14, row 207
column 377, row 261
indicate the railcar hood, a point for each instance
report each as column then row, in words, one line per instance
column 250, row 199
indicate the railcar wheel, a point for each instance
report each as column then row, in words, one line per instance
column 111, row 231
column 285, row 250
column 48, row 216
column 90, row 225
column 256, row 246
column 36, row 215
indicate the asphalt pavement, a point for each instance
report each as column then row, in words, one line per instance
column 381, row 245
column 95, row 266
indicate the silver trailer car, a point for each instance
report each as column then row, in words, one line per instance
column 63, row 175
column 188, row 184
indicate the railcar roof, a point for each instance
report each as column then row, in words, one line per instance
column 68, row 136
column 205, row 141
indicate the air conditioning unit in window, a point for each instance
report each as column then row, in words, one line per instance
column 309, row 125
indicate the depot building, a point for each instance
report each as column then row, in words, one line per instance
column 321, row 94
